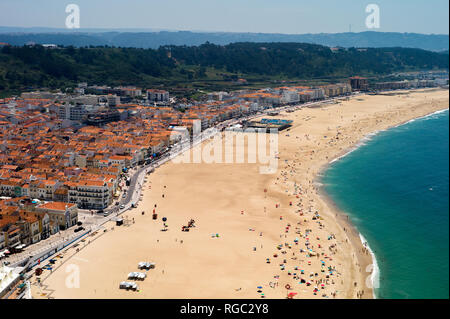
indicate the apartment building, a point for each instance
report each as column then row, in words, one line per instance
column 333, row 90
column 11, row 231
column 76, row 112
column 129, row 91
column 359, row 83
column 90, row 194
column 112, row 100
column 290, row 96
column 10, row 188
column 43, row 189
column 157, row 95
column 30, row 231
column 315, row 94
column 120, row 160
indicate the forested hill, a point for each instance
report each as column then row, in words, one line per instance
column 153, row 40
column 306, row 60
column 35, row 66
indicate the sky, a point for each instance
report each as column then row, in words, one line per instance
column 265, row 16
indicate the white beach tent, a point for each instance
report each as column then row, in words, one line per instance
column 141, row 275
column 137, row 275
column 128, row 285
column 146, row 265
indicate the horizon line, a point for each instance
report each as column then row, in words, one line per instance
column 157, row 30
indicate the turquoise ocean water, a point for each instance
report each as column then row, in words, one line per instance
column 395, row 188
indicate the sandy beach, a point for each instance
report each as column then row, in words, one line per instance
column 242, row 218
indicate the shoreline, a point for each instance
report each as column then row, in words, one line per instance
column 356, row 237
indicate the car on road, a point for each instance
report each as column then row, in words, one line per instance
column 122, row 206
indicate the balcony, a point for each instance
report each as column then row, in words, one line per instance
column 87, row 190
column 90, row 196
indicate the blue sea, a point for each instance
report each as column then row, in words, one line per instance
column 395, row 189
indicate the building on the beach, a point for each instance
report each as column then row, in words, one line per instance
column 359, row 83
column 338, row 89
column 315, row 93
column 267, row 125
column 290, row 96
column 406, row 84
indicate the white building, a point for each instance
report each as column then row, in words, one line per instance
column 290, row 96
column 76, row 112
column 9, row 277
column 90, row 194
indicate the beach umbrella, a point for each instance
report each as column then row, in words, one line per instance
column 164, row 219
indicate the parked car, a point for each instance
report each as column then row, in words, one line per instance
column 78, row 229
column 122, row 206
